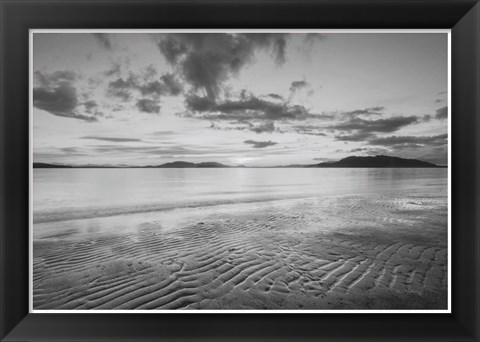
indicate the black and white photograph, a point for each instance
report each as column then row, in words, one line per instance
column 288, row 171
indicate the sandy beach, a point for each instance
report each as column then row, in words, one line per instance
column 363, row 251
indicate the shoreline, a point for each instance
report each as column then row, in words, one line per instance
column 347, row 252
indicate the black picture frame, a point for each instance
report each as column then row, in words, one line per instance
column 18, row 16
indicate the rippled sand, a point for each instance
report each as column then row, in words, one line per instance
column 370, row 251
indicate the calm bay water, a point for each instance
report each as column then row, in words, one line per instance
column 129, row 190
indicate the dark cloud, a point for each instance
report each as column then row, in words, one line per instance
column 442, row 113
column 59, row 100
column 362, row 126
column 122, row 88
column 245, row 108
column 426, row 118
column 308, row 130
column 360, row 136
column 148, row 106
column 275, row 96
column 104, row 40
column 199, row 104
column 171, row 84
column 297, row 85
column 90, row 106
column 55, row 93
column 110, row 139
column 378, row 110
column 267, row 127
column 402, row 142
column 259, row 144
column 154, row 88
column 359, row 149
column 438, row 100
column 207, row 60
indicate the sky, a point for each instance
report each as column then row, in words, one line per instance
column 238, row 98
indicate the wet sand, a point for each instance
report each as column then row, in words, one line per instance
column 362, row 251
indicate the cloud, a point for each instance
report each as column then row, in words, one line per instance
column 90, row 104
column 363, row 126
column 114, row 70
column 378, row 110
column 104, row 40
column 199, row 104
column 402, row 142
column 308, row 130
column 426, row 118
column 441, row 113
column 297, row 85
column 171, row 84
column 360, row 136
column 371, row 151
column 148, row 106
column 266, row 127
column 54, row 78
column 260, row 144
column 178, row 150
column 69, row 150
column 55, row 93
column 246, row 107
column 275, row 96
column 164, row 133
column 61, row 100
column 206, row 60
column 110, row 139
column 122, row 88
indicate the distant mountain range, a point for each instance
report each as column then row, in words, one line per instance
column 349, row 162
column 376, row 161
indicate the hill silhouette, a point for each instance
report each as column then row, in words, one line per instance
column 379, row 161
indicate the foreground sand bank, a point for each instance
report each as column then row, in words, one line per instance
column 371, row 251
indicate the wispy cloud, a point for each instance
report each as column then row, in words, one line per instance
column 112, row 139
column 402, row 142
column 363, row 126
column 260, row 144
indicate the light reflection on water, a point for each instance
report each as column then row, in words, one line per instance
column 77, row 188
column 174, row 196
